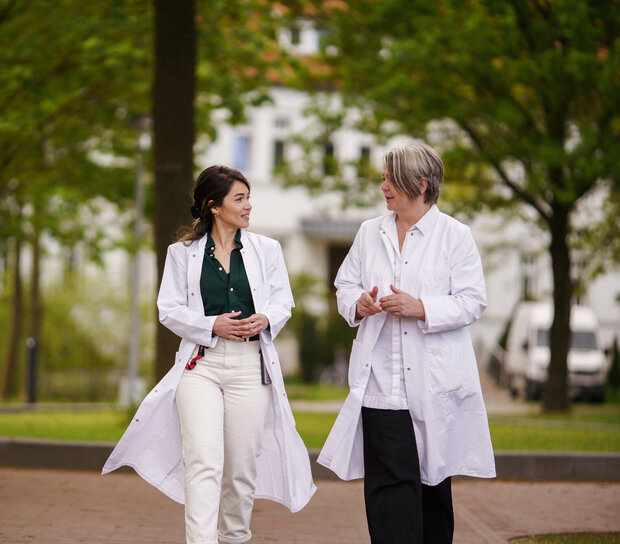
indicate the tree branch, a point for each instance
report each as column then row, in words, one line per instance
column 523, row 195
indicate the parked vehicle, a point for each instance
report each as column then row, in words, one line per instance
column 528, row 353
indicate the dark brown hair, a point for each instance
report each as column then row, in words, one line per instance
column 211, row 187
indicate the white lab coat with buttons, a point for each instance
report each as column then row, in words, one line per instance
column 152, row 442
column 443, row 269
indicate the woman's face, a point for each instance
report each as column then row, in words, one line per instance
column 236, row 207
column 396, row 200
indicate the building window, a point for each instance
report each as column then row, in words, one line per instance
column 282, row 123
column 527, row 277
column 329, row 161
column 241, row 160
column 363, row 166
column 295, row 35
column 278, row 153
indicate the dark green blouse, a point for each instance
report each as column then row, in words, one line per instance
column 222, row 292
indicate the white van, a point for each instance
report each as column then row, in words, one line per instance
column 528, row 354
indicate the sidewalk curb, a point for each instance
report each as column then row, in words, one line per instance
column 518, row 465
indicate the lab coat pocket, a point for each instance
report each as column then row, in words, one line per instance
column 355, row 362
column 444, row 366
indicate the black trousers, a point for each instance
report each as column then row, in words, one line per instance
column 399, row 508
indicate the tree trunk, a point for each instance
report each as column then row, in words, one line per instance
column 173, row 126
column 555, row 398
column 9, row 379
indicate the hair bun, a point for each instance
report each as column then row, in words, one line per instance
column 195, row 211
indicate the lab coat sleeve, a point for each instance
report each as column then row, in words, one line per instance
column 280, row 295
column 172, row 302
column 467, row 298
column 348, row 282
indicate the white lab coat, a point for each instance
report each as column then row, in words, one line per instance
column 443, row 269
column 152, row 442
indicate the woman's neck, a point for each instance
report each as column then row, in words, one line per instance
column 224, row 236
column 410, row 216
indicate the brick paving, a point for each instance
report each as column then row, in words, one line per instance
column 73, row 507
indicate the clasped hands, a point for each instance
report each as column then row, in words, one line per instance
column 400, row 304
column 226, row 326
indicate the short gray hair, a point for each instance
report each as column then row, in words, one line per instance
column 408, row 164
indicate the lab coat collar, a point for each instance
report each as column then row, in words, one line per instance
column 425, row 224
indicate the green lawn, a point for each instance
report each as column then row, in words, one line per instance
column 573, row 538
column 518, row 433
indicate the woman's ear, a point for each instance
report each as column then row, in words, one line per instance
column 212, row 208
column 423, row 182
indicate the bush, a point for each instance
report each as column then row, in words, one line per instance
column 320, row 338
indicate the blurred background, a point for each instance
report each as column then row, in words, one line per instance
column 108, row 110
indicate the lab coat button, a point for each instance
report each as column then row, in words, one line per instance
column 408, row 368
column 405, row 332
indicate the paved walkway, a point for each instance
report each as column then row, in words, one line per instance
column 72, row 507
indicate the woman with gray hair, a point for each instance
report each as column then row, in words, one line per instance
column 414, row 417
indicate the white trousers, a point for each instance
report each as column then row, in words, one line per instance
column 222, row 406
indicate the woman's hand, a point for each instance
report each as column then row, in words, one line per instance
column 227, row 327
column 402, row 304
column 251, row 326
column 366, row 305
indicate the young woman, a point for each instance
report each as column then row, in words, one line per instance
column 218, row 431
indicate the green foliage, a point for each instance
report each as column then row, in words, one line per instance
column 83, row 348
column 521, row 98
column 75, row 77
column 323, row 338
column 85, row 340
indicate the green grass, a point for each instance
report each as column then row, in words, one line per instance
column 509, row 437
column 105, row 425
column 302, row 391
column 313, row 427
column 571, row 538
column 588, row 428
column 580, row 412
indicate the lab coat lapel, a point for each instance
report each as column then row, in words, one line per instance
column 196, row 251
column 254, row 269
column 387, row 266
column 387, row 225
